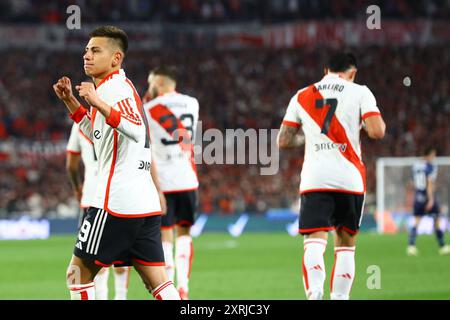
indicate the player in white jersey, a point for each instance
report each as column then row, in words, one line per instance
column 173, row 120
column 331, row 113
column 122, row 226
column 80, row 147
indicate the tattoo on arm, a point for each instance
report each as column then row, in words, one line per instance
column 288, row 137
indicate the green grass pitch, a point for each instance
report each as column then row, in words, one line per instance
column 253, row 266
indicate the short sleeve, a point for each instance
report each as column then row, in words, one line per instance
column 368, row 104
column 120, row 96
column 73, row 145
column 292, row 116
column 433, row 172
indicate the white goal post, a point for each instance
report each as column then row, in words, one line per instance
column 392, row 176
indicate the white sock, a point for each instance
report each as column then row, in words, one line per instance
column 82, row 291
column 343, row 273
column 314, row 268
column 183, row 260
column 101, row 284
column 168, row 258
column 166, row 291
column 121, row 284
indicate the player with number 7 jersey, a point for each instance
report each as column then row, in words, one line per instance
column 331, row 113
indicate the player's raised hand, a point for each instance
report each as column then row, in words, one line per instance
column 63, row 89
column 87, row 91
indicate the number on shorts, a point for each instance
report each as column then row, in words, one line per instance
column 84, row 231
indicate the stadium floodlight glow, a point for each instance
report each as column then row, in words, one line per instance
column 392, row 177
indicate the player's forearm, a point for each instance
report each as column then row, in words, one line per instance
column 288, row 138
column 134, row 130
column 74, row 179
column 295, row 142
column 430, row 190
column 72, row 104
column 154, row 174
column 103, row 108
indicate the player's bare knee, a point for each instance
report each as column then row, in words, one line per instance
column 436, row 224
column 120, row 270
column 347, row 243
column 147, row 285
column 345, row 239
column 144, row 276
column 183, row 230
column 167, row 235
column 317, row 235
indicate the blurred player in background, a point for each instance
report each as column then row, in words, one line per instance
column 333, row 183
column 173, row 121
column 424, row 174
column 81, row 148
column 122, row 226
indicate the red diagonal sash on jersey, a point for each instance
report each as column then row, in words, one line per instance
column 159, row 112
column 336, row 133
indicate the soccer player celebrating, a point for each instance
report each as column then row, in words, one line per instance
column 122, row 226
column 425, row 201
column 173, row 120
column 81, row 148
column 331, row 113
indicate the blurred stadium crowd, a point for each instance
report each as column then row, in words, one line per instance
column 247, row 88
column 244, row 88
column 214, row 11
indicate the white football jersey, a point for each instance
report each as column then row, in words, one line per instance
column 173, row 117
column 79, row 144
column 331, row 113
column 122, row 146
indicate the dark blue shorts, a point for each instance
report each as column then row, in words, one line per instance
column 419, row 209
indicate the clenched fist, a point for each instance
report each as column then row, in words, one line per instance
column 63, row 89
column 87, row 91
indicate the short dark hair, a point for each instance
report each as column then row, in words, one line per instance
column 167, row 71
column 428, row 150
column 118, row 35
column 341, row 62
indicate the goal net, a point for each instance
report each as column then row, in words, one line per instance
column 395, row 194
